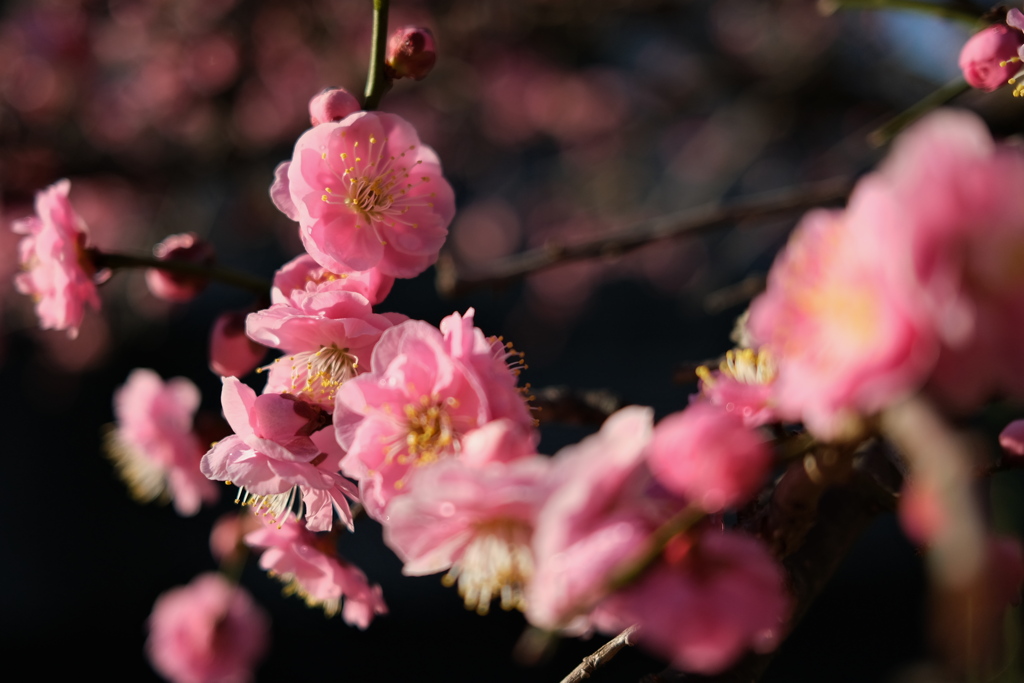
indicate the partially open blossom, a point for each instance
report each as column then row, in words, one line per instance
column 742, row 385
column 411, row 52
column 227, row 534
column 281, row 457
column 302, row 282
column 709, row 456
column 704, row 609
column 1012, row 438
column 989, row 58
column 367, row 193
column 309, row 566
column 232, row 353
column 180, row 287
column 332, row 104
column 474, row 521
column 59, row 273
column 209, row 631
column 153, row 445
column 423, row 394
column 601, row 513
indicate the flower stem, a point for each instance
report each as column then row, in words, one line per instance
column 235, row 278
column 377, row 82
column 895, row 125
column 962, row 13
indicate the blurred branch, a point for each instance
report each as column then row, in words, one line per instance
column 958, row 12
column 254, row 284
column 376, row 82
column 602, row 655
column 574, row 406
column 455, row 279
column 895, row 125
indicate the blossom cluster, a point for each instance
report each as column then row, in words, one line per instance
column 916, row 287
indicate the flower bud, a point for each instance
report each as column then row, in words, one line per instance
column 333, row 104
column 232, row 354
column 411, row 52
column 989, row 59
column 180, row 287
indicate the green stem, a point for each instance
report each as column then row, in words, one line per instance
column 945, row 11
column 895, row 125
column 377, row 82
column 235, row 278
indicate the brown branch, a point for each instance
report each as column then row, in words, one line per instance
column 454, row 279
column 564, row 405
column 602, row 655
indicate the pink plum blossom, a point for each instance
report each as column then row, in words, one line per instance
column 59, row 273
column 179, row 287
column 367, row 193
column 332, row 104
column 232, row 353
column 603, row 508
column 989, row 58
column 844, row 344
column 742, row 385
column 327, row 335
column 281, row 456
column 209, row 631
column 425, row 391
column 474, row 521
column 302, row 281
column 310, row 567
column 703, row 610
column 948, row 209
column 709, row 456
column 153, row 445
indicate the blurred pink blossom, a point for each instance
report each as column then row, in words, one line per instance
column 710, row 456
column 702, row 611
column 1012, row 438
column 209, row 631
column 232, row 353
column 153, row 445
column 59, row 273
column 741, row 385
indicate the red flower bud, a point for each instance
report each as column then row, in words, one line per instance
column 411, row 52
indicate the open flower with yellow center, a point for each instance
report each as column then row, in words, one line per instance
column 426, row 390
column 475, row 521
column 742, row 385
column 367, row 193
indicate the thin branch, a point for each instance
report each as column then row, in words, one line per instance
column 961, row 12
column 592, row 662
column 936, row 99
column 457, row 279
column 254, row 284
column 377, row 82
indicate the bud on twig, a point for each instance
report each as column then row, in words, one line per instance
column 411, row 53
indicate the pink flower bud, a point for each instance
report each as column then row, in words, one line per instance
column 333, row 104
column 180, row 287
column 232, row 354
column 708, row 455
column 411, row 52
column 989, row 59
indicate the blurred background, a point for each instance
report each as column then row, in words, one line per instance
column 555, row 120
